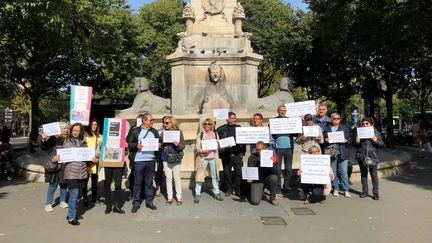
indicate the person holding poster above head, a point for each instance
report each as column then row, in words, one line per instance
column 367, row 158
column 93, row 138
column 312, row 135
column 231, row 156
column 315, row 192
column 206, row 147
column 75, row 172
column 172, row 154
column 284, row 151
column 143, row 162
column 337, row 140
column 267, row 177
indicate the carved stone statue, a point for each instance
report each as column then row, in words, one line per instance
column 282, row 96
column 215, row 95
column 213, row 7
column 145, row 101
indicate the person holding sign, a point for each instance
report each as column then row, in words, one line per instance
column 267, row 177
column 206, row 157
column 314, row 192
column 312, row 135
column 75, row 173
column 284, row 151
column 368, row 159
column 172, row 155
column 339, row 152
column 93, row 138
column 231, row 157
column 54, row 173
column 143, row 162
column 257, row 121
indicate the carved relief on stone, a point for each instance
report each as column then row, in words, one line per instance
column 188, row 12
column 213, row 7
column 239, row 12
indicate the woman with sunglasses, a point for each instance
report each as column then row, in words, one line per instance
column 204, row 158
column 172, row 168
column 368, row 159
column 341, row 156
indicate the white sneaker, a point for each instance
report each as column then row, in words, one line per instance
column 347, row 195
column 48, row 208
column 63, row 204
column 335, row 193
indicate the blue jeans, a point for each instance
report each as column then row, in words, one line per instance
column 73, row 197
column 143, row 176
column 52, row 187
column 340, row 170
column 286, row 155
column 198, row 184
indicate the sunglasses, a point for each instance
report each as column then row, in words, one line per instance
column 207, row 123
column 167, row 123
column 336, row 118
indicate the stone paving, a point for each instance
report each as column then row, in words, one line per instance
column 402, row 215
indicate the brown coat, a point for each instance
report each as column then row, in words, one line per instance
column 199, row 161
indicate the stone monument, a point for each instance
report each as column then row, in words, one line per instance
column 282, row 96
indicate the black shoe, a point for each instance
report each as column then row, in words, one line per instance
column 228, row 194
column 76, row 218
column 285, row 191
column 363, row 195
column 108, row 209
column 74, row 222
column 375, row 197
column 151, row 206
column 134, row 209
column 118, row 210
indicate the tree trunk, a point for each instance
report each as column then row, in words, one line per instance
column 390, row 141
column 34, row 118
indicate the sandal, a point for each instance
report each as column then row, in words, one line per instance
column 179, row 202
column 169, row 202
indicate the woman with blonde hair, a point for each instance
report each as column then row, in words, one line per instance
column 172, row 154
column 206, row 157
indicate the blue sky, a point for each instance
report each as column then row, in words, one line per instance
column 294, row 3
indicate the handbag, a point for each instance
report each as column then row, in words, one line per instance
column 173, row 158
column 331, row 150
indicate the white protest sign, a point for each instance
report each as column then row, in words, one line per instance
column 220, row 114
column 52, row 129
column 315, row 169
column 171, row 136
column 250, row 173
column 150, row 144
column 226, row 142
column 265, row 158
column 297, row 109
column 286, row 125
column 209, row 144
column 365, row 132
column 252, row 135
column 75, row 154
column 336, row 137
column 138, row 122
column 311, row 131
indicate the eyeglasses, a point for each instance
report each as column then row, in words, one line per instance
column 336, row 118
column 167, row 123
column 207, row 123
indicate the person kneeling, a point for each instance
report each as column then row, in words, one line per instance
column 267, row 177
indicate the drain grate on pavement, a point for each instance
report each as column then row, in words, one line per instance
column 273, row 220
column 303, row 211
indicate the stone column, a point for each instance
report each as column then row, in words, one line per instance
column 189, row 17
column 238, row 16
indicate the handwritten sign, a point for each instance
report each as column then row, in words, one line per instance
column 52, row 129
column 286, row 125
column 311, row 131
column 250, row 173
column 226, row 142
column 252, row 135
column 315, row 169
column 265, row 158
column 150, row 144
column 336, row 137
column 220, row 114
column 209, row 144
column 171, row 136
column 297, row 109
column 365, row 132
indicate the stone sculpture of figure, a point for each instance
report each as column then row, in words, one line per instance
column 213, row 7
column 145, row 101
column 282, row 96
column 215, row 94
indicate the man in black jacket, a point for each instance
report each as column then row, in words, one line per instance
column 231, row 157
column 143, row 162
column 267, row 177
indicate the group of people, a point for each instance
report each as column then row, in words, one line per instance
column 164, row 165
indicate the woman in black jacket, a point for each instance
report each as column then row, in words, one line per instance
column 368, row 159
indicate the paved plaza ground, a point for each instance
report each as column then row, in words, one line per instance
column 403, row 214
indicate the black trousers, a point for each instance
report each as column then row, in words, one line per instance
column 232, row 182
column 94, row 181
column 257, row 189
column 110, row 174
column 316, row 191
column 364, row 177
